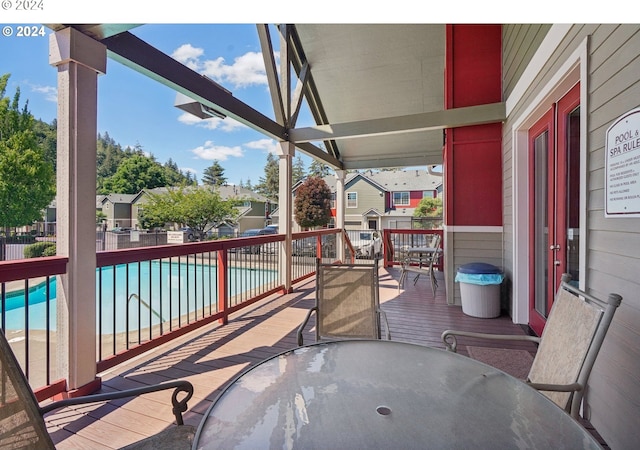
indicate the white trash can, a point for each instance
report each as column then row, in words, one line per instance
column 480, row 285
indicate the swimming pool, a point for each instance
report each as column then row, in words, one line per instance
column 156, row 291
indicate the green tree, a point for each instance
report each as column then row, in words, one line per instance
column 214, row 175
column 269, row 185
column 200, row 209
column 429, row 207
column 297, row 171
column 47, row 137
column 318, row 169
column 108, row 157
column 135, row 173
column 312, row 204
column 27, row 180
column 176, row 177
column 428, row 214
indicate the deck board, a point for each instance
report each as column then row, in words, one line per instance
column 213, row 355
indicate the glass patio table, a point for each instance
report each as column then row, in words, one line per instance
column 383, row 394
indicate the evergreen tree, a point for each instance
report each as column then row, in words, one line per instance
column 47, row 137
column 297, row 171
column 176, row 177
column 214, row 175
column 108, row 158
column 270, row 184
column 318, row 169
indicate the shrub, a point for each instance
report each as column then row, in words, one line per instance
column 50, row 250
column 40, row 249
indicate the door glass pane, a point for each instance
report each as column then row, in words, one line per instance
column 541, row 230
column 573, row 195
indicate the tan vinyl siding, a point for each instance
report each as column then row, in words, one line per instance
column 507, row 203
column 468, row 247
column 613, row 244
column 368, row 198
column 520, row 42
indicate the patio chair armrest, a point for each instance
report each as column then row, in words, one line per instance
column 304, row 323
column 573, row 387
column 179, row 405
column 451, row 342
column 383, row 315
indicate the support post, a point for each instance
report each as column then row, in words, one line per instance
column 340, row 177
column 79, row 60
column 285, row 208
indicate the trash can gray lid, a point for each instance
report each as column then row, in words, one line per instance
column 479, row 268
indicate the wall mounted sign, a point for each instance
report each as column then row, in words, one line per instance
column 622, row 166
column 175, row 237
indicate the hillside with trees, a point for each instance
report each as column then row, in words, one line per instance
column 129, row 170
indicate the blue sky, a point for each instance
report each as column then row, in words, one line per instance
column 136, row 110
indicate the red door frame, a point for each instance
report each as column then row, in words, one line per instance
column 555, row 121
column 545, row 123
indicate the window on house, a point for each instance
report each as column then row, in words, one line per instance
column 352, row 199
column 428, row 194
column 401, row 199
column 333, row 200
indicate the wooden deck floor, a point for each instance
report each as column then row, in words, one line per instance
column 213, row 355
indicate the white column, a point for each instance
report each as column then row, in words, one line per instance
column 286, row 151
column 340, row 177
column 79, row 59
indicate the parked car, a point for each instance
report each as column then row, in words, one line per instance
column 189, row 232
column 121, row 229
column 307, row 246
column 255, row 249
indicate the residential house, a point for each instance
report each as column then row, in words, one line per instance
column 377, row 200
column 117, row 209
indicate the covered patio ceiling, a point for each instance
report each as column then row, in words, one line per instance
column 376, row 91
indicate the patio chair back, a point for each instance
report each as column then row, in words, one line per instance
column 422, row 263
column 347, row 303
column 570, row 342
column 21, row 425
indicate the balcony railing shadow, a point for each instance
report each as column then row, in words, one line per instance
column 211, row 356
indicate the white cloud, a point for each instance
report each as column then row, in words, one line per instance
column 211, row 152
column 50, row 92
column 246, row 70
column 266, row 145
column 189, row 56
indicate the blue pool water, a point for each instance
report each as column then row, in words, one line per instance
column 170, row 290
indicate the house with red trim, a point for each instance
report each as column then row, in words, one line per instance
column 380, row 199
